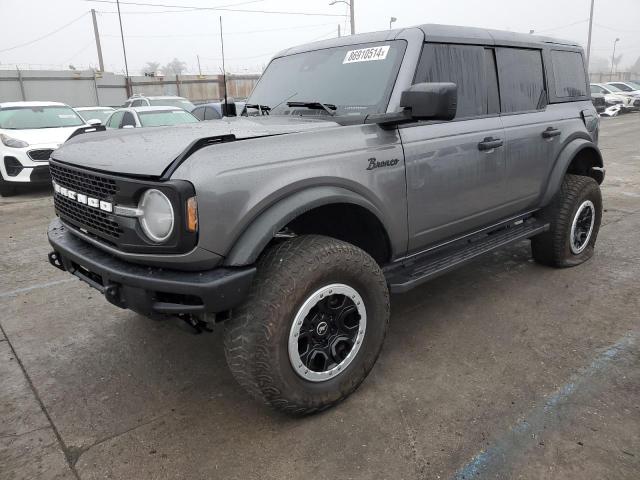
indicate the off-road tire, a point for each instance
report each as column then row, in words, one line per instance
column 7, row 189
column 553, row 247
column 257, row 335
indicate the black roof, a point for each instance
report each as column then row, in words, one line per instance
column 440, row 33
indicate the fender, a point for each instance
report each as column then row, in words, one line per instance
column 262, row 229
column 562, row 165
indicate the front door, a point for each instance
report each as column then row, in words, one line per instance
column 456, row 171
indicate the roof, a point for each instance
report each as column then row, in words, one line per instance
column 437, row 33
column 83, row 109
column 156, row 108
column 31, row 104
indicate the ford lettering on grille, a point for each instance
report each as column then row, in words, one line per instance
column 82, row 198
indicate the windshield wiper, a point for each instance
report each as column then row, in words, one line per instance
column 260, row 108
column 327, row 107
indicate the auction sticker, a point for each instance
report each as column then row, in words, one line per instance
column 366, row 54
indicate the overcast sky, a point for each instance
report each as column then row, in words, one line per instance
column 158, row 33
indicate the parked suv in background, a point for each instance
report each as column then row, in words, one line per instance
column 159, row 101
column 29, row 132
column 369, row 164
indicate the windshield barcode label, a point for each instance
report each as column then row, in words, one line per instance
column 366, row 54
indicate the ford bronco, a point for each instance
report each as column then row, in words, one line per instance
column 360, row 166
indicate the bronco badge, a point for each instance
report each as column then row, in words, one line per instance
column 373, row 163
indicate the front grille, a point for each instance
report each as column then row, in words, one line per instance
column 84, row 216
column 41, row 155
column 88, row 183
column 599, row 101
column 636, row 103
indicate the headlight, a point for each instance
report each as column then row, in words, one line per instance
column 12, row 142
column 156, row 217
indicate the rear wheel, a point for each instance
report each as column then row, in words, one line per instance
column 574, row 216
column 312, row 326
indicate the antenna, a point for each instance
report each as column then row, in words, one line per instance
column 224, row 71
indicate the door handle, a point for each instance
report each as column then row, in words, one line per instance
column 489, row 143
column 551, row 132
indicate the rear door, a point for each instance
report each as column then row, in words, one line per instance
column 456, row 171
column 535, row 130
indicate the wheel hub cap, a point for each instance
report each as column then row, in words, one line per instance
column 582, row 226
column 327, row 332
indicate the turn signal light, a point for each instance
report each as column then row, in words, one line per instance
column 192, row 214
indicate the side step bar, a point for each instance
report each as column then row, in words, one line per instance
column 418, row 270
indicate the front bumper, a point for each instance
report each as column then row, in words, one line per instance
column 17, row 166
column 148, row 290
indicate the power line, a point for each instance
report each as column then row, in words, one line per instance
column 562, row 26
column 191, row 7
column 183, row 9
column 244, row 32
column 45, row 35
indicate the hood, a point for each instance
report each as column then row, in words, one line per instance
column 149, row 151
column 42, row 136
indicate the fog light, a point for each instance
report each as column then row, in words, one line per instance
column 13, row 166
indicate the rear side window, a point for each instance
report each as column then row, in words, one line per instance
column 568, row 74
column 211, row 114
column 521, row 79
column 198, row 113
column 114, row 121
column 463, row 65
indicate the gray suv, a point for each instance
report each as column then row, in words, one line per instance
column 361, row 166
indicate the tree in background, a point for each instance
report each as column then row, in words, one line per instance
column 636, row 66
column 616, row 62
column 599, row 64
column 151, row 68
column 174, row 67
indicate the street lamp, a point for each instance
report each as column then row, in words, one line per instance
column 351, row 13
column 392, row 20
column 613, row 55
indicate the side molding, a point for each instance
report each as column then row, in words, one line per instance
column 562, row 165
column 262, row 229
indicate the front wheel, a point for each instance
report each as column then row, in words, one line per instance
column 574, row 217
column 312, row 327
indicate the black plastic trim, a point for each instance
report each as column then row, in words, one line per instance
column 145, row 289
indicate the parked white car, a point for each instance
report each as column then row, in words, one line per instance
column 137, row 117
column 29, row 132
column 614, row 96
column 628, row 87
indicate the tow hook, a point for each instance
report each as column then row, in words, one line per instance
column 54, row 260
column 196, row 323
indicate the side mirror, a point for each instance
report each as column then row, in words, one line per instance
column 94, row 122
column 431, row 101
column 422, row 101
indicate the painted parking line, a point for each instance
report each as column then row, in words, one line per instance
column 520, row 436
column 13, row 293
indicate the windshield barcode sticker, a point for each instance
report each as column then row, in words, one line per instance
column 366, row 54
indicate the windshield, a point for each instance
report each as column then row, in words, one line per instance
column 357, row 79
column 162, row 118
column 635, row 85
column 22, row 118
column 172, row 102
column 622, row 86
column 101, row 114
column 613, row 88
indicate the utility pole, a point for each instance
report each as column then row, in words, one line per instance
column 124, row 52
column 613, row 57
column 224, row 73
column 589, row 39
column 199, row 69
column 352, row 13
column 97, row 35
column 353, row 17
